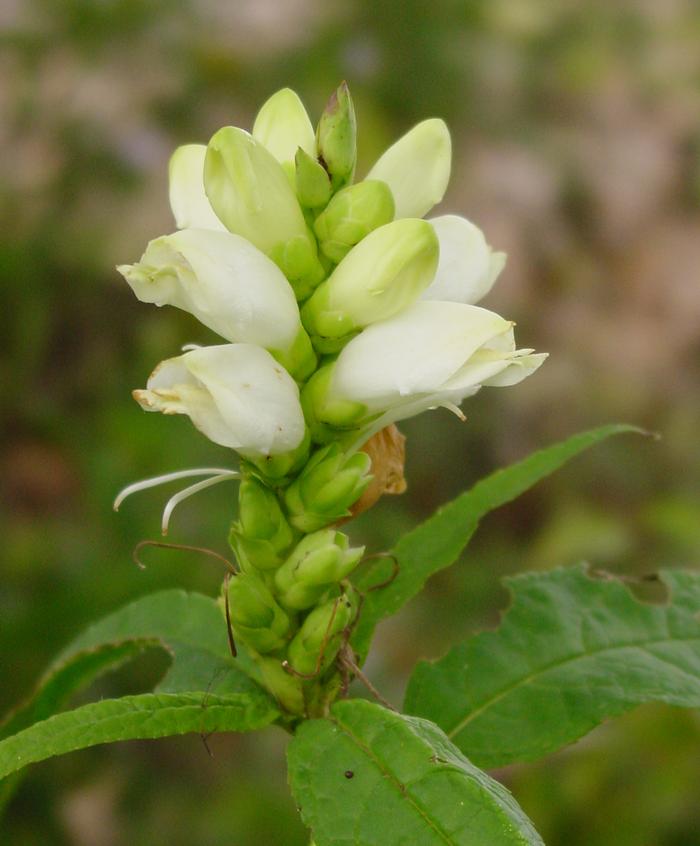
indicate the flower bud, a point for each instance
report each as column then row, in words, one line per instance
column 255, row 615
column 351, row 215
column 229, row 286
column 417, row 168
column 336, row 137
column 282, row 126
column 318, row 561
column 432, row 354
column 261, row 536
column 468, row 267
column 313, row 185
column 236, row 394
column 326, row 488
column 277, row 467
column 378, row 278
column 286, row 688
column 249, row 191
column 315, row 646
column 190, row 206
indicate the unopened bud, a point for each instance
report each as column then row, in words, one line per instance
column 315, row 646
column 381, row 276
column 323, row 410
column 336, row 137
column 352, row 214
column 283, row 126
column 313, row 185
column 277, row 467
column 285, row 687
column 261, row 536
column 256, row 617
column 326, row 488
column 319, row 560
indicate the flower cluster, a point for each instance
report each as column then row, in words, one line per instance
column 342, row 311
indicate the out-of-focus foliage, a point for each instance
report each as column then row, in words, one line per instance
column 577, row 149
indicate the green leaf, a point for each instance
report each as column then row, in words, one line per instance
column 370, row 777
column 439, row 541
column 189, row 626
column 148, row 715
column 571, row 651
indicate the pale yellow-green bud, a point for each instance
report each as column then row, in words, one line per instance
column 417, row 168
column 251, row 194
column 283, row 126
column 352, row 214
column 386, row 272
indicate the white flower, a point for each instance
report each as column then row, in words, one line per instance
column 468, row 266
column 189, row 203
column 417, row 168
column 236, row 394
column 433, row 353
column 224, row 281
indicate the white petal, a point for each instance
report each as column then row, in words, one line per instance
column 236, row 394
column 417, row 168
column 282, row 125
column 189, row 203
column 224, row 281
column 414, row 353
column 468, row 267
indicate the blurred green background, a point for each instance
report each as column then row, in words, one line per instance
column 576, row 130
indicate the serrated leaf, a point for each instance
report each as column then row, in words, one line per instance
column 145, row 716
column 366, row 776
column 187, row 625
column 191, row 628
column 438, row 542
column 571, row 651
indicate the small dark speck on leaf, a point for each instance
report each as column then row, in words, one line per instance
column 349, row 773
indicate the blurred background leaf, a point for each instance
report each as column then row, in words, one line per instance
column 576, row 149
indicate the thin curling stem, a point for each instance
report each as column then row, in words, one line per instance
column 153, row 482
column 175, row 500
column 185, row 548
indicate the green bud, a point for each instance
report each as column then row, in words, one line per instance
column 320, row 635
column 318, row 561
column 300, row 359
column 261, row 536
column 252, row 196
column 298, row 260
column 277, row 467
column 283, row 126
column 286, row 688
column 336, row 137
column 384, row 274
column 326, row 488
column 351, row 215
column 256, row 617
column 322, row 411
column 312, row 182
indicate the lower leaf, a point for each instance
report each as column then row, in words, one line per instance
column 367, row 776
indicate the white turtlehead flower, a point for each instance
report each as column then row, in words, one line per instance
column 434, row 353
column 282, row 125
column 468, row 266
column 188, row 201
column 224, row 281
column 417, row 168
column 235, row 394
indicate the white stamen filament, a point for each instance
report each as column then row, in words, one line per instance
column 153, row 482
column 187, row 492
column 455, row 409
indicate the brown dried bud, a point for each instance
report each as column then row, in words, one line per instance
column 387, row 449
